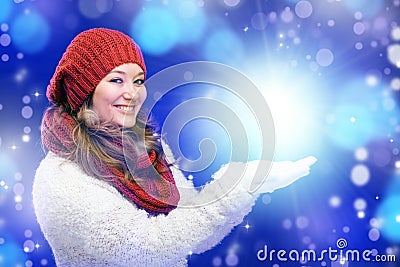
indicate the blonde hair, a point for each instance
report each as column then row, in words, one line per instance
column 101, row 140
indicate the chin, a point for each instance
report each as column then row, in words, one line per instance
column 127, row 123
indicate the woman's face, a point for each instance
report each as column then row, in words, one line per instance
column 120, row 95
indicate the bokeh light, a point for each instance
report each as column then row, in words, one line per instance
column 5, row 10
column 373, row 234
column 19, row 189
column 217, row 261
column 231, row 3
column 328, row 70
column 11, row 253
column 359, row 46
column 30, row 32
column 361, row 114
column 7, row 169
column 395, row 34
column 359, row 28
column 360, row 204
column 89, row 9
column 287, row 15
column 380, row 29
column 360, row 175
column 29, row 246
column 156, row 30
column 303, row 9
column 26, row 99
column 335, row 201
column 160, row 29
column 192, row 20
column 351, row 126
column 259, row 21
column 26, row 112
column 361, row 214
column 287, row 224
column 302, row 222
column 5, row 57
column 104, row 6
column 28, row 233
column 393, row 52
column 95, row 8
column 231, row 259
column 381, row 157
column 361, row 154
column 5, row 39
column 366, row 7
column 266, row 199
column 395, row 84
column 324, row 57
column 223, row 46
column 388, row 212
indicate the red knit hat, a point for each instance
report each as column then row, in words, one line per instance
column 90, row 56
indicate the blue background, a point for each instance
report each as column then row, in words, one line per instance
column 328, row 71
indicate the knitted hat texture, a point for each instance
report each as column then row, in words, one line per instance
column 90, row 56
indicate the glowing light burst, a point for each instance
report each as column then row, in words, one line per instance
column 296, row 106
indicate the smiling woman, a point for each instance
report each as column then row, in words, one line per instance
column 105, row 194
column 120, row 95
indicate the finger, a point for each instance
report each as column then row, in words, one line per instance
column 308, row 161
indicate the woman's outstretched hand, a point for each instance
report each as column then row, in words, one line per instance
column 281, row 174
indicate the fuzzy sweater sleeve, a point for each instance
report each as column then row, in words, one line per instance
column 88, row 223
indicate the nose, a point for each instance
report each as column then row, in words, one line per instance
column 131, row 92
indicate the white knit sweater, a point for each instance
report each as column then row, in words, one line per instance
column 87, row 222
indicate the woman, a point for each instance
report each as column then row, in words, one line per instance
column 104, row 195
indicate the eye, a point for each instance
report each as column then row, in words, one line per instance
column 116, row 80
column 138, row 81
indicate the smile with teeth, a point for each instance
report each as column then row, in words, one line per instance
column 125, row 108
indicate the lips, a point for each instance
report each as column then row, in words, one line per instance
column 124, row 108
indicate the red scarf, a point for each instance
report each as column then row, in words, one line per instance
column 157, row 192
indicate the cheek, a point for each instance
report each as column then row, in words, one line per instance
column 101, row 105
column 143, row 94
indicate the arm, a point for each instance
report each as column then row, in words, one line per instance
column 238, row 202
column 88, row 221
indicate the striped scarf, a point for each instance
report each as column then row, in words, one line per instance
column 155, row 190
